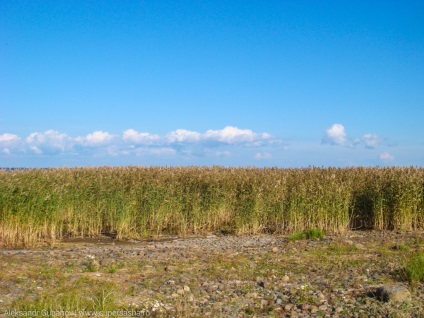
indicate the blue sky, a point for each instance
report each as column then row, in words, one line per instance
column 233, row 83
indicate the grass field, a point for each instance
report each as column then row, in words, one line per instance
column 137, row 202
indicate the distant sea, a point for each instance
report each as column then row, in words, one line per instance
column 19, row 168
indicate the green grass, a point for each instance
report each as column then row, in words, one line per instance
column 313, row 234
column 310, row 234
column 297, row 236
column 138, row 202
column 84, row 294
column 112, row 269
column 415, row 268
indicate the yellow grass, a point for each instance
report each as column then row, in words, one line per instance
column 136, row 202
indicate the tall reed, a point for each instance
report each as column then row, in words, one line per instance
column 135, row 202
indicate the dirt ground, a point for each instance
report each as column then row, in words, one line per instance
column 213, row 276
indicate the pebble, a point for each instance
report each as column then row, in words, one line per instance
column 285, row 279
column 231, row 277
column 338, row 310
column 107, row 261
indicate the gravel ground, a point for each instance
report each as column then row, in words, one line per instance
column 225, row 276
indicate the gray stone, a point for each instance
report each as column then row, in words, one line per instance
column 107, row 261
column 393, row 293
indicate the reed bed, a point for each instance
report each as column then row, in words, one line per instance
column 139, row 202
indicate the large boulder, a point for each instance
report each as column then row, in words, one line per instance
column 393, row 293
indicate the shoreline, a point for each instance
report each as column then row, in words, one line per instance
column 219, row 276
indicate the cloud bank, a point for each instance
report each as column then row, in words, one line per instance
column 133, row 142
column 229, row 145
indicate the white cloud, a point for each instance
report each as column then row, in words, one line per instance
column 132, row 142
column 224, row 153
column 9, row 143
column 229, row 135
column 49, row 142
column 233, row 135
column 183, row 135
column 385, row 156
column 263, row 155
column 162, row 151
column 138, row 138
column 97, row 138
column 5, row 151
column 336, row 135
column 8, row 139
column 370, row 141
column 165, row 151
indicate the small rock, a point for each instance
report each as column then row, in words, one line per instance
column 180, row 291
column 288, row 307
column 260, row 282
column 393, row 293
column 314, row 309
column 338, row 310
column 107, row 261
column 275, row 249
column 285, row 279
column 251, row 295
column 170, row 268
column 186, row 288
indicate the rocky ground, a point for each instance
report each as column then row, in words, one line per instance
column 216, row 276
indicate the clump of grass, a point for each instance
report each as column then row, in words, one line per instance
column 85, row 294
column 93, row 266
column 415, row 268
column 310, row 234
column 112, row 269
column 313, row 234
column 297, row 236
